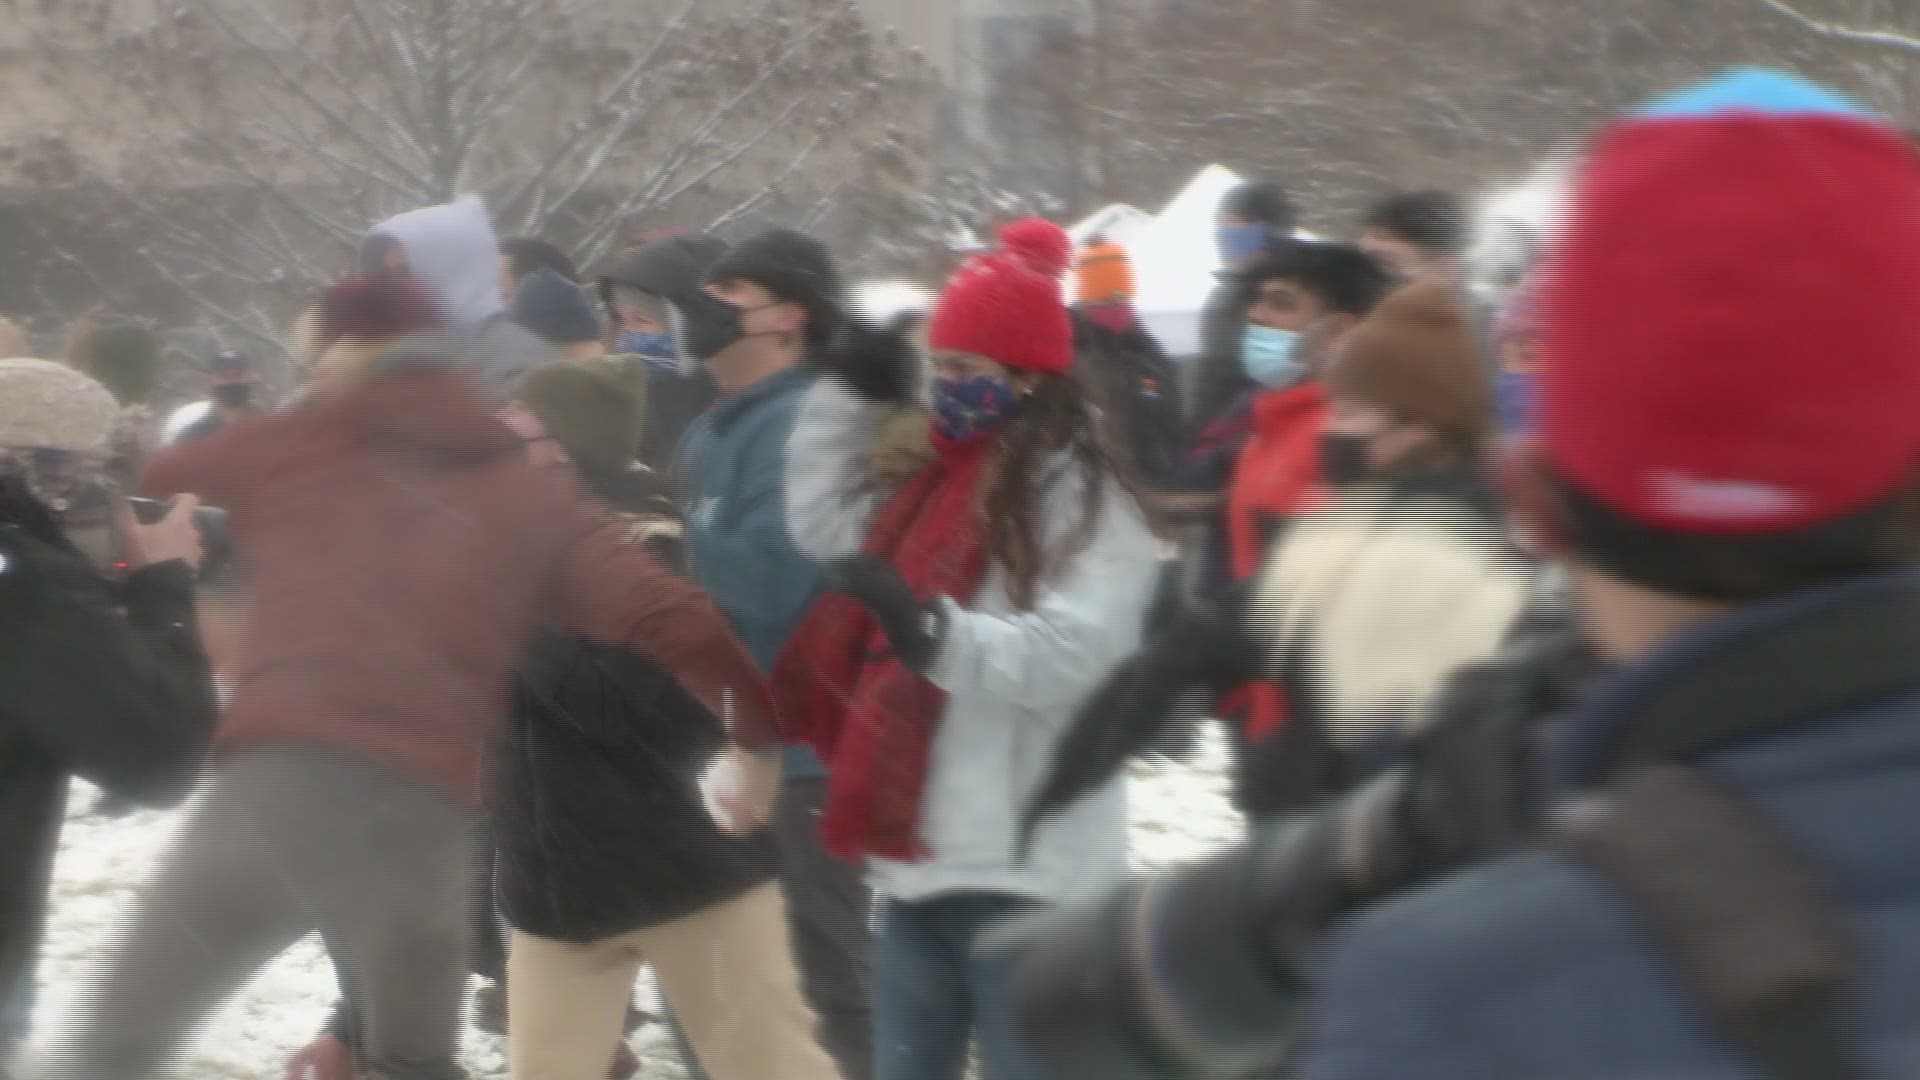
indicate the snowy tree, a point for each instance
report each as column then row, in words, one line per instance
column 276, row 131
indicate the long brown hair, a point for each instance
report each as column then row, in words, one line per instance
column 1057, row 415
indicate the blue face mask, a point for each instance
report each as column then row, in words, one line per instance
column 649, row 343
column 1271, row 357
column 1240, row 243
column 1515, row 400
column 963, row 408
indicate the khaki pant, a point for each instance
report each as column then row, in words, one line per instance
column 727, row 973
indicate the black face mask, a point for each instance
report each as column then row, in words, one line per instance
column 1346, row 458
column 704, row 326
column 233, row 395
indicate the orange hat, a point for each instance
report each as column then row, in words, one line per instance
column 1103, row 274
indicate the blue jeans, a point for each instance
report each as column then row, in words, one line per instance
column 932, row 998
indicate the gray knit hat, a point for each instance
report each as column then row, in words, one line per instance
column 49, row 406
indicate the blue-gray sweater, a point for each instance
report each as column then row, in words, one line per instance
column 1532, row 967
column 731, row 475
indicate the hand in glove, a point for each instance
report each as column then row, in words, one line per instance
column 879, row 364
column 1135, row 712
column 1198, row 973
column 915, row 630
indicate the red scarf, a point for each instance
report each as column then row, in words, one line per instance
column 841, row 689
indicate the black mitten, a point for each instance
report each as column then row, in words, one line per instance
column 914, row 629
column 1134, row 711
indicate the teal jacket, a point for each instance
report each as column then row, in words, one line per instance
column 730, row 472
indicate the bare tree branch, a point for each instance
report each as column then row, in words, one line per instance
column 1883, row 38
column 291, row 131
column 642, row 64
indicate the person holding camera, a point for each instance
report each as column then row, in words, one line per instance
column 101, row 674
column 401, row 548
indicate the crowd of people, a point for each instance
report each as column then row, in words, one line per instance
column 792, row 638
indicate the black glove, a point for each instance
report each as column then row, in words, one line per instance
column 915, row 630
column 1134, row 711
column 1219, row 950
column 877, row 363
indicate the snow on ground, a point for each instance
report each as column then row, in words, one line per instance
column 1178, row 812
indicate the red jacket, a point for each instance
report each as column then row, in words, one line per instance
column 1279, row 466
column 1277, row 470
column 400, row 551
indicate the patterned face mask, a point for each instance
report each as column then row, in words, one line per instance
column 963, row 408
column 652, row 344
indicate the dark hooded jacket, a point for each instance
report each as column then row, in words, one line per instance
column 1137, row 389
column 1219, row 378
column 669, row 269
column 99, row 680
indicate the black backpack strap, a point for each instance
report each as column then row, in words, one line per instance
column 1744, row 919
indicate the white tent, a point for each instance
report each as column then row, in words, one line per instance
column 1117, row 222
column 1174, row 261
column 1173, row 253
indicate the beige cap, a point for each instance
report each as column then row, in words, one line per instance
column 53, row 407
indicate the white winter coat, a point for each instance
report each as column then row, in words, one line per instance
column 1014, row 679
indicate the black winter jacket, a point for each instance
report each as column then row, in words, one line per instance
column 1219, row 378
column 1137, row 388
column 99, row 680
column 596, row 808
column 674, row 401
column 595, row 805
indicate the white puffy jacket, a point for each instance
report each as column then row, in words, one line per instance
column 1014, row 679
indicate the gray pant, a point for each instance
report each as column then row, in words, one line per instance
column 828, row 909
column 283, row 843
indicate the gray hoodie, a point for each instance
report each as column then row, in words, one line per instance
column 451, row 250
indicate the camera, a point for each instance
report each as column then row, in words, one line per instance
column 210, row 520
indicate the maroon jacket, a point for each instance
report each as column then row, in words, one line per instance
column 400, row 552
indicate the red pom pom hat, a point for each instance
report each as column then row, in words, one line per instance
column 1008, row 305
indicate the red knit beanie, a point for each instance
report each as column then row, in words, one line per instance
column 1730, row 327
column 1007, row 305
column 1040, row 244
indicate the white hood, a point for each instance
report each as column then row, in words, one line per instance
column 452, row 250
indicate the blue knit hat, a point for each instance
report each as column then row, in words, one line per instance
column 554, row 309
